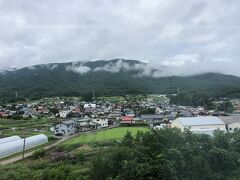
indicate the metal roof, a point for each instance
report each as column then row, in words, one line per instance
column 230, row 119
column 68, row 122
column 200, row 120
column 152, row 116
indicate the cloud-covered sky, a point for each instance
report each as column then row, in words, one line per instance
column 188, row 36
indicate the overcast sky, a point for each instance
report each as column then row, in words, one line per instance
column 189, row 36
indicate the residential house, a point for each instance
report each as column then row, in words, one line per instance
column 186, row 114
column 103, row 121
column 65, row 128
column 89, row 105
column 63, row 114
column 127, row 120
column 154, row 118
column 3, row 114
column 87, row 126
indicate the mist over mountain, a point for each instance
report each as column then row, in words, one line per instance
column 114, row 77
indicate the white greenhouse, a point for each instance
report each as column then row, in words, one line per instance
column 9, row 148
column 9, row 139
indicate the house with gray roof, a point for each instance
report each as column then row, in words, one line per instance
column 65, row 128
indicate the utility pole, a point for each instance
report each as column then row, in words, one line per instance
column 178, row 97
column 224, row 108
column 16, row 94
column 24, row 144
column 93, row 94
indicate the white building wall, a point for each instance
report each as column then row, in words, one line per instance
column 63, row 114
column 233, row 126
column 177, row 124
column 102, row 122
column 199, row 127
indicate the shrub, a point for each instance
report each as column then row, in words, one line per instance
column 51, row 138
column 67, row 147
column 39, row 153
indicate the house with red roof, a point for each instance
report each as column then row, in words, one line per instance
column 127, row 120
column 3, row 114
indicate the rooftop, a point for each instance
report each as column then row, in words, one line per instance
column 68, row 122
column 200, row 120
column 230, row 119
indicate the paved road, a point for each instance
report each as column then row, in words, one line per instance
column 29, row 154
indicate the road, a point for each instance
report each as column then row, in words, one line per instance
column 29, row 154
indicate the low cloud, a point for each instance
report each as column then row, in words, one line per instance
column 114, row 67
column 81, row 69
column 120, row 65
column 53, row 66
column 31, row 67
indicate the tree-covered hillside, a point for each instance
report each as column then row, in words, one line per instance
column 116, row 77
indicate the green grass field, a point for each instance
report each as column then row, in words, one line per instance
column 105, row 135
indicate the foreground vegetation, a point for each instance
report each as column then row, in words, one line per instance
column 161, row 154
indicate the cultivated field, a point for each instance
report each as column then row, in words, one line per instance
column 105, row 135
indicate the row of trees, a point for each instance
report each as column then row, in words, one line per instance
column 171, row 154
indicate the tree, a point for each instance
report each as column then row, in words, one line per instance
column 128, row 139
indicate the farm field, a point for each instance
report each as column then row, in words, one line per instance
column 10, row 127
column 105, row 135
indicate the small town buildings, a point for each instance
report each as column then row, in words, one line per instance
column 80, row 121
column 65, row 128
column 186, row 114
column 103, row 121
column 87, row 126
column 152, row 118
column 90, row 105
column 63, row 114
column 200, row 124
column 28, row 112
column 130, row 113
column 78, row 115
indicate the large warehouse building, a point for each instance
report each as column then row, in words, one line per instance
column 200, row 124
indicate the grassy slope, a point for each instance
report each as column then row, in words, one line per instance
column 110, row 134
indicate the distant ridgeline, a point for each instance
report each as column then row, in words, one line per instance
column 115, row 77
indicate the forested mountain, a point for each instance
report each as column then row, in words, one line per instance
column 115, row 77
